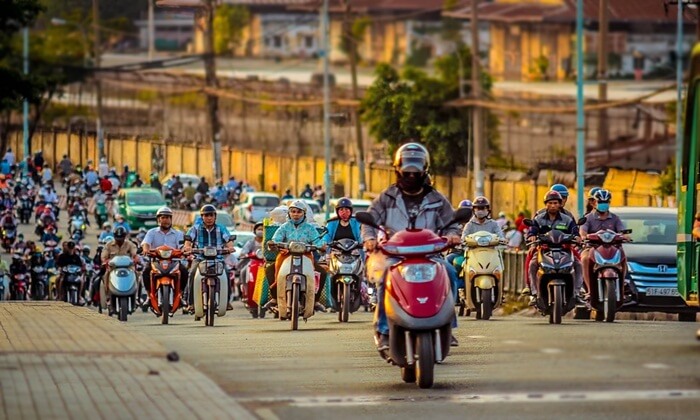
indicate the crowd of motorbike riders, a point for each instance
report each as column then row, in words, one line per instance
column 41, row 267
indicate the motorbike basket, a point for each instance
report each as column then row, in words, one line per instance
column 211, row 268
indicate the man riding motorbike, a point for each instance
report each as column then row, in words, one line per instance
column 600, row 219
column 553, row 219
column 206, row 232
column 69, row 256
column 119, row 246
column 481, row 220
column 590, row 204
column 344, row 226
column 297, row 228
column 164, row 234
column 411, row 194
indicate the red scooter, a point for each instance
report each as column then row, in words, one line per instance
column 247, row 285
column 417, row 298
column 607, row 263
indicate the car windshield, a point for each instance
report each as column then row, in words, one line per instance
column 314, row 207
column 652, row 229
column 266, row 201
column 145, row 199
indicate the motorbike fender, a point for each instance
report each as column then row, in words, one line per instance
column 122, row 282
column 197, row 297
column 484, row 282
column 307, row 270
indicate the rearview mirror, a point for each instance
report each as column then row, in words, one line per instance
column 581, row 221
column 366, row 219
column 528, row 222
column 462, row 215
column 626, row 231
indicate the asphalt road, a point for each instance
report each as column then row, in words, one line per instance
column 506, row 367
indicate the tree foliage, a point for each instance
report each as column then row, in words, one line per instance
column 410, row 105
column 667, row 181
column 353, row 36
column 229, row 22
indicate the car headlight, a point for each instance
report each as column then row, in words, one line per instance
column 418, row 273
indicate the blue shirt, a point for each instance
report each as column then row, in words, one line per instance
column 91, row 178
column 123, row 224
column 156, row 237
column 201, row 236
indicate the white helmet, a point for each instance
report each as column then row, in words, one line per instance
column 279, row 214
column 164, row 211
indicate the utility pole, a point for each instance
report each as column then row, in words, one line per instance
column 477, row 127
column 603, row 73
column 210, row 76
column 350, row 39
column 325, row 53
column 98, row 84
column 580, row 117
column 151, row 30
column 25, row 103
column 679, row 97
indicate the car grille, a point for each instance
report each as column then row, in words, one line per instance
column 145, row 216
column 658, row 275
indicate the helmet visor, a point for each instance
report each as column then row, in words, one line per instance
column 412, row 161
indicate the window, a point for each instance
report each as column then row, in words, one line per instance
column 266, row 201
column 309, row 41
column 277, row 41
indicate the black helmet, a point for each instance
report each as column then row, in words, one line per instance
column 412, row 157
column 257, row 225
column 207, row 208
column 343, row 203
column 481, row 201
column 119, row 233
column 552, row 195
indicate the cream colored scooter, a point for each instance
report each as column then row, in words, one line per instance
column 484, row 270
column 296, row 284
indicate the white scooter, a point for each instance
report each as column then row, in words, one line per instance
column 210, row 285
column 483, row 269
column 123, row 286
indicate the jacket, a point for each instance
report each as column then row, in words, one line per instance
column 562, row 222
column 474, row 226
column 389, row 211
column 332, row 226
column 303, row 232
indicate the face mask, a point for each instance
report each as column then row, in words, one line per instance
column 297, row 222
column 258, row 234
column 481, row 213
column 603, row 207
column 411, row 184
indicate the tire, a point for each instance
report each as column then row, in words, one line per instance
column 557, row 306
column 582, row 313
column 610, row 301
column 165, row 305
column 687, row 317
column 295, row 306
column 408, row 374
column 461, row 310
column 123, row 308
column 486, row 304
column 211, row 306
column 425, row 360
column 345, row 313
column 339, row 302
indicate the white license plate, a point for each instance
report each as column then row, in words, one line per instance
column 662, row 291
column 150, row 223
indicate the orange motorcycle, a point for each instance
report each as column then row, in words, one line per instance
column 165, row 295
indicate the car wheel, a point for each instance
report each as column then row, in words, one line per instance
column 687, row 317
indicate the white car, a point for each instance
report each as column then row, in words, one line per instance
column 254, row 206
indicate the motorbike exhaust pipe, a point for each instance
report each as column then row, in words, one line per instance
column 438, row 347
column 410, row 357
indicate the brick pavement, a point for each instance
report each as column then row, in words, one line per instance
column 59, row 361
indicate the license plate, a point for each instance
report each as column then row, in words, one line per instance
column 662, row 291
column 150, row 223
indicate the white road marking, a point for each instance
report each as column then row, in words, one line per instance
column 476, row 337
column 530, row 397
column 552, row 351
column 656, row 366
column 601, row 357
column 512, row 342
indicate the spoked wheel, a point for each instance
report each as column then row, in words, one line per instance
column 211, row 306
column 295, row 306
column 165, row 304
column 425, row 360
column 610, row 301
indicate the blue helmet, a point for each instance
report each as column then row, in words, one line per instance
column 465, row 204
column 561, row 189
column 592, row 191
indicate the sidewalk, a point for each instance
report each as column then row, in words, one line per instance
column 59, row 361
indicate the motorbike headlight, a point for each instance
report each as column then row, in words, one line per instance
column 355, row 252
column 602, row 261
column 418, row 273
column 210, row 251
column 165, row 253
column 297, row 247
column 483, row 240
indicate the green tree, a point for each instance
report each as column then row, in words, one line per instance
column 411, row 106
column 667, row 181
column 229, row 22
column 353, row 35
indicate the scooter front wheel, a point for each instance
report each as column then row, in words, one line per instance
column 295, row 306
column 165, row 304
column 425, row 363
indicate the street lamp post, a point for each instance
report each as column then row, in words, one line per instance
column 326, row 104
column 580, row 117
column 25, row 103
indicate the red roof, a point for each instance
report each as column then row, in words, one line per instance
column 376, row 6
column 620, row 11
